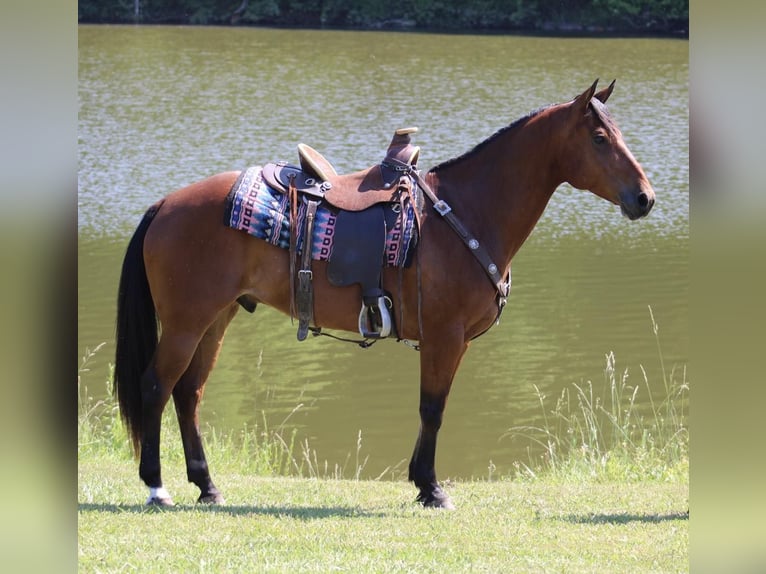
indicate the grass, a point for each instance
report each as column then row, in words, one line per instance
column 590, row 437
column 259, row 450
column 311, row 525
column 607, row 491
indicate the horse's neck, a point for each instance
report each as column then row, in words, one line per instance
column 501, row 190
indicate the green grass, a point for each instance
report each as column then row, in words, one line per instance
column 259, row 450
column 587, row 436
column 605, row 489
column 313, row 525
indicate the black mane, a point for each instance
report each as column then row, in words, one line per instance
column 478, row 147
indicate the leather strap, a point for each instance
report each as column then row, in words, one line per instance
column 293, row 199
column 304, row 298
column 502, row 284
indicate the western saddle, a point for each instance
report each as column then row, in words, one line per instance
column 365, row 202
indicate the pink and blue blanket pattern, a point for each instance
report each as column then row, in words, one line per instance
column 264, row 213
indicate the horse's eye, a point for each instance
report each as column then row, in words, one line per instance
column 598, row 139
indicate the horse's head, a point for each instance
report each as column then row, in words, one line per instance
column 597, row 158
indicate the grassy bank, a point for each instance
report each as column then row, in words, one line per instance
column 602, row 435
column 604, row 489
column 313, row 525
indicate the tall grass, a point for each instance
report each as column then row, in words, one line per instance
column 592, row 436
column 99, row 428
column 260, row 450
column 589, row 433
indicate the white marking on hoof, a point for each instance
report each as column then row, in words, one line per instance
column 158, row 495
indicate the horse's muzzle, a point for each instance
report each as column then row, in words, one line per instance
column 637, row 205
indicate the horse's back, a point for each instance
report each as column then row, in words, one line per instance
column 211, row 191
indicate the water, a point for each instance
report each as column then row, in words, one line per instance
column 161, row 107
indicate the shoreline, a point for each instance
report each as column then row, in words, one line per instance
column 563, row 30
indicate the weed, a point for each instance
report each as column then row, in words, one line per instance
column 587, row 436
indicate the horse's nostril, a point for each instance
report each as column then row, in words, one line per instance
column 643, row 199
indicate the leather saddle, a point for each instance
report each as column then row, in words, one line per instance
column 366, row 203
column 351, row 192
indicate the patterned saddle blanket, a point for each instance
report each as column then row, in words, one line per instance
column 254, row 207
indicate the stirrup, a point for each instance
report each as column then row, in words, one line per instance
column 367, row 325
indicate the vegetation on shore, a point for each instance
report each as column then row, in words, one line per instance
column 605, row 489
column 593, row 17
column 590, row 433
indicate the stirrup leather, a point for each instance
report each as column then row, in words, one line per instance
column 304, row 297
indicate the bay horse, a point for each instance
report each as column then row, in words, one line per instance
column 188, row 273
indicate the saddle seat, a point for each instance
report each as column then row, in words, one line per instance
column 361, row 189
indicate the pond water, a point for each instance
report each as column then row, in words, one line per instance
column 161, row 107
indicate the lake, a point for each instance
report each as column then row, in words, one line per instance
column 161, row 107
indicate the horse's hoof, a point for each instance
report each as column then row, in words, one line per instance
column 436, row 498
column 211, row 498
column 443, row 503
column 159, row 501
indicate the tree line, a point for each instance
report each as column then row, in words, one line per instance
column 639, row 17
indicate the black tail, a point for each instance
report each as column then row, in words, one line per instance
column 136, row 330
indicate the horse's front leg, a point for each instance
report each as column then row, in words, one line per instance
column 439, row 361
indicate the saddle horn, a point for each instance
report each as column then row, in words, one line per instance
column 401, row 147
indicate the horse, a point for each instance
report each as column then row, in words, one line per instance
column 185, row 275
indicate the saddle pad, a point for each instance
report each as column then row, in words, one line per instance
column 254, row 207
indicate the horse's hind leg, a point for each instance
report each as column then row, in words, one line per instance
column 187, row 395
column 173, row 355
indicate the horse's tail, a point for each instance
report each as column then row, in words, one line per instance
column 136, row 331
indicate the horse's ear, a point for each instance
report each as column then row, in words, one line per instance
column 581, row 102
column 603, row 95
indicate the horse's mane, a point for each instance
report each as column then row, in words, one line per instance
column 478, row 147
